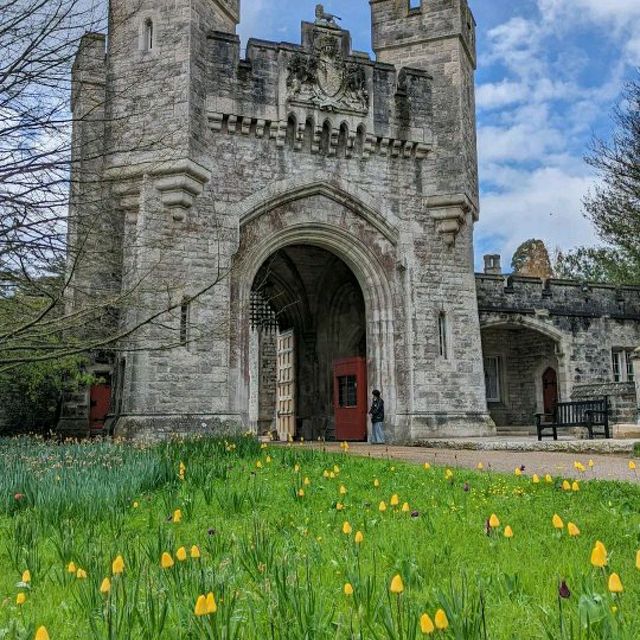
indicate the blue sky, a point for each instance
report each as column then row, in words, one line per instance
column 549, row 73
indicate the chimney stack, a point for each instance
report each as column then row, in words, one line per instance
column 492, row 265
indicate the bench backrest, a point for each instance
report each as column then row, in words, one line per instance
column 576, row 413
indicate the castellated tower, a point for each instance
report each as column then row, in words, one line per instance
column 304, row 216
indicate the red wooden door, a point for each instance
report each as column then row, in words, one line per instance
column 100, row 396
column 350, row 398
column 550, row 390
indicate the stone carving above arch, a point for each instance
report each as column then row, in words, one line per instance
column 291, row 190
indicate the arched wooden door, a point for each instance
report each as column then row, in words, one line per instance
column 550, row 390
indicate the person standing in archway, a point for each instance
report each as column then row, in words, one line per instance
column 377, row 419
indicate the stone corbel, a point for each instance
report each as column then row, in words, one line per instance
column 450, row 214
column 179, row 184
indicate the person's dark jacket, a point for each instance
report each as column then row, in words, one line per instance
column 377, row 410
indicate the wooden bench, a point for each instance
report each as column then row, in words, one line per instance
column 587, row 414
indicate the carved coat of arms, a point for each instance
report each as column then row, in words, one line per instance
column 326, row 80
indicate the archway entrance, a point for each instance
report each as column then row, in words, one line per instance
column 308, row 347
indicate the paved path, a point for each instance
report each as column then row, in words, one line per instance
column 609, row 467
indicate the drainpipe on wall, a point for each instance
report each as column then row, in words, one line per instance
column 636, row 377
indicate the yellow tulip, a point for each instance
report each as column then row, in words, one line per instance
column 258, row 464
column 632, row 465
column 442, row 622
column 615, row 584
column 105, row 587
column 494, row 522
column 397, row 585
column 448, row 474
column 177, row 516
column 359, row 537
column 394, row 500
column 573, row 530
column 42, row 634
column 268, row 459
column 575, row 486
column 557, row 521
column 348, row 589
column 81, row 574
column 638, row 560
column 566, row 485
column 336, row 469
column 376, row 483
column 346, row 529
column 536, row 479
column 548, row 479
column 296, row 468
column 263, row 445
column 518, row 471
column 382, row 506
column 300, row 493
column 117, row 567
column 406, row 508
column 427, row 466
column 201, row 606
column 21, row 598
column 508, row 532
column 26, row 576
column 339, row 506
column 195, row 552
column 212, row 607
column 343, row 490
column 306, row 482
column 71, row 567
column 426, row 624
column 332, row 474
column 325, row 474
column 591, row 464
column 599, row 555
column 181, row 554
column 166, row 562
column 480, row 466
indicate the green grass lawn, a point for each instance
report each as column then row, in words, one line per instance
column 269, row 528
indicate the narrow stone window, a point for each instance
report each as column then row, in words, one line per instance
column 443, row 335
column 292, row 129
column 325, row 139
column 343, row 138
column 360, row 138
column 184, row 322
column 148, row 35
column 492, row 367
column 309, row 130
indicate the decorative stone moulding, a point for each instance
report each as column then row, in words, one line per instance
column 233, row 124
column 178, row 182
column 450, row 214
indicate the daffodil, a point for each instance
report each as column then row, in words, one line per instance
column 494, row 522
column 26, row 576
column 442, row 622
column 105, row 587
column 306, row 482
column 557, row 521
column 181, row 554
column 42, row 634
column 382, row 506
column 572, row 530
column 508, row 532
column 448, row 474
column 177, row 516
column 258, row 464
column 136, row 504
column 117, row 566
column 394, row 500
column 591, row 464
column 325, row 474
column 599, row 555
column 21, row 598
column 268, row 459
column 426, row 624
column 359, row 537
column 346, row 529
column 615, row 584
column 336, row 469
column 182, row 471
column 348, row 589
column 71, row 567
column 166, row 562
column 396, row 586
column 195, row 552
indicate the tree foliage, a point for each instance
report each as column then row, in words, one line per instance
column 614, row 206
column 531, row 258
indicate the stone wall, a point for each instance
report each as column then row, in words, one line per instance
column 622, row 399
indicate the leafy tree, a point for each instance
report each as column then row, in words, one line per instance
column 614, row 207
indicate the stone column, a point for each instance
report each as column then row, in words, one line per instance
column 636, row 377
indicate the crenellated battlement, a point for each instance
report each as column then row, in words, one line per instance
column 528, row 296
column 318, row 97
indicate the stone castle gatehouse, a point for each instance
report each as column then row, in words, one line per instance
column 309, row 214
